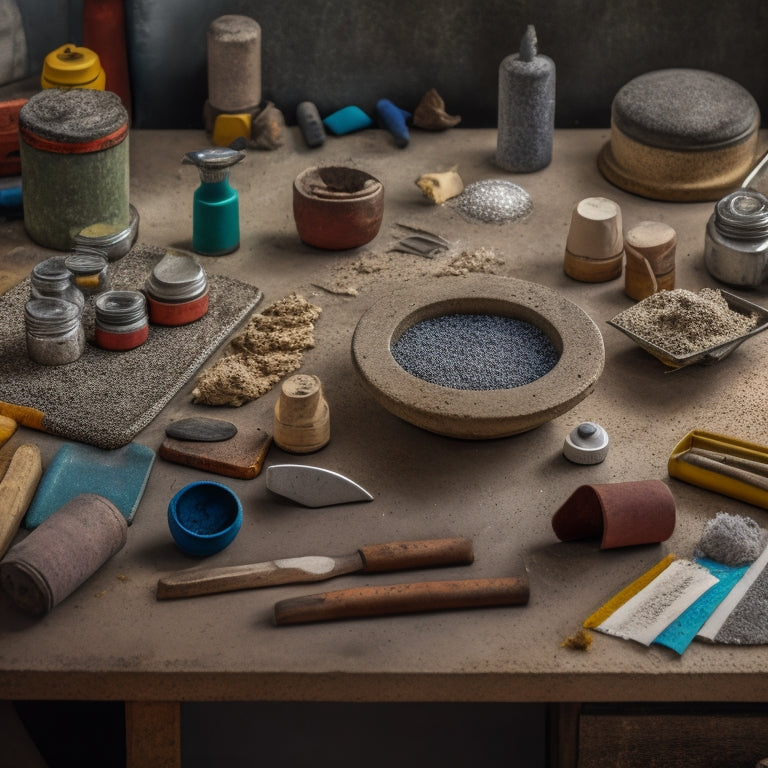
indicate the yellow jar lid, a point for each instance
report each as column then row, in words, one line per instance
column 71, row 66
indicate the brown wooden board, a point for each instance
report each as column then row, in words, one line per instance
column 242, row 456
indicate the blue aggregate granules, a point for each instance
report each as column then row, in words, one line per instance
column 477, row 352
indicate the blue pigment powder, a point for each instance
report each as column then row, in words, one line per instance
column 477, row 352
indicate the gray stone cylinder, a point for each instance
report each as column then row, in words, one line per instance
column 526, row 122
column 234, row 64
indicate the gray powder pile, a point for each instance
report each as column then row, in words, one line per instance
column 493, row 200
column 731, row 540
column 475, row 352
column 682, row 322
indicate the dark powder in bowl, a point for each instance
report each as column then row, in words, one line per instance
column 477, row 352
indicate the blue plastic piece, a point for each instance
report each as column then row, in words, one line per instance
column 347, row 120
column 204, row 517
column 394, row 120
column 681, row 632
column 119, row 475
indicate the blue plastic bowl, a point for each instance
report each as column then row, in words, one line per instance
column 204, row 517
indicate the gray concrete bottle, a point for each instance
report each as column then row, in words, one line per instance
column 526, row 120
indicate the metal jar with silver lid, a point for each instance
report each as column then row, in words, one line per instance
column 55, row 334
column 177, row 290
column 736, row 241
column 51, row 279
column 90, row 270
column 121, row 320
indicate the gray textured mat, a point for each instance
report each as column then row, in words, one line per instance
column 106, row 398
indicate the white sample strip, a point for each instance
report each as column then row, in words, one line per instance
column 654, row 608
column 719, row 616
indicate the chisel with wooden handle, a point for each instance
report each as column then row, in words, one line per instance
column 17, row 488
column 415, row 597
column 394, row 556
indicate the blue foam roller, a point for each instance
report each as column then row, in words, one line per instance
column 394, row 120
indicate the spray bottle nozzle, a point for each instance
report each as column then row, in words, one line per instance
column 213, row 163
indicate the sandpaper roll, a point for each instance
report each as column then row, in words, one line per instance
column 622, row 514
column 62, row 553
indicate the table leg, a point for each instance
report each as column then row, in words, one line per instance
column 153, row 734
column 564, row 735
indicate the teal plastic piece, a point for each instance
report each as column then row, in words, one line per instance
column 347, row 120
column 215, row 219
column 120, row 475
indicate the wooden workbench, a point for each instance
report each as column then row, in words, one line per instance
column 112, row 640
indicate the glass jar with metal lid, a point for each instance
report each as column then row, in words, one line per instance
column 121, row 320
column 55, row 334
column 736, row 242
column 52, row 279
column 177, row 290
column 90, row 270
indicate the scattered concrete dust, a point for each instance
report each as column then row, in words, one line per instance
column 348, row 278
column 270, row 347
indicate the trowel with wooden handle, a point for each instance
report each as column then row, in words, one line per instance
column 394, row 556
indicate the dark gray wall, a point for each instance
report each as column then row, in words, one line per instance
column 340, row 52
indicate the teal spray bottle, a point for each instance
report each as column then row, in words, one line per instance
column 215, row 208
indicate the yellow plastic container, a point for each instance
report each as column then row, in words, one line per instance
column 725, row 465
column 71, row 66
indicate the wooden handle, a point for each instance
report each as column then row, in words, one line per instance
column 402, row 555
column 727, row 470
column 16, row 491
column 402, row 598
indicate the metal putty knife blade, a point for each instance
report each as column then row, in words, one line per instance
column 313, row 486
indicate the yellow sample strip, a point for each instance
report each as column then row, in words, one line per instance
column 605, row 610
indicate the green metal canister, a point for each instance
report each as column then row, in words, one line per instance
column 74, row 165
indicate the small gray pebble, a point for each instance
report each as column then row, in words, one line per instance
column 201, row 430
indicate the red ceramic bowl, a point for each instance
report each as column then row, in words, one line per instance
column 336, row 208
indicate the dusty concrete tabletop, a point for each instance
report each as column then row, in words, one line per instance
column 113, row 639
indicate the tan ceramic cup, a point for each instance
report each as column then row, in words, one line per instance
column 594, row 250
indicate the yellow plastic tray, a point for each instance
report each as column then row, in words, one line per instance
column 719, row 481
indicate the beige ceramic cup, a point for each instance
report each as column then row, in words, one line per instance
column 594, row 250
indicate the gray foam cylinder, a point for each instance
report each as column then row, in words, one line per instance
column 526, row 122
column 234, row 64
column 62, row 553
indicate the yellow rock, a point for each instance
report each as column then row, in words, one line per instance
column 439, row 187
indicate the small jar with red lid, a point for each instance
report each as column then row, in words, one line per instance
column 177, row 290
column 121, row 320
